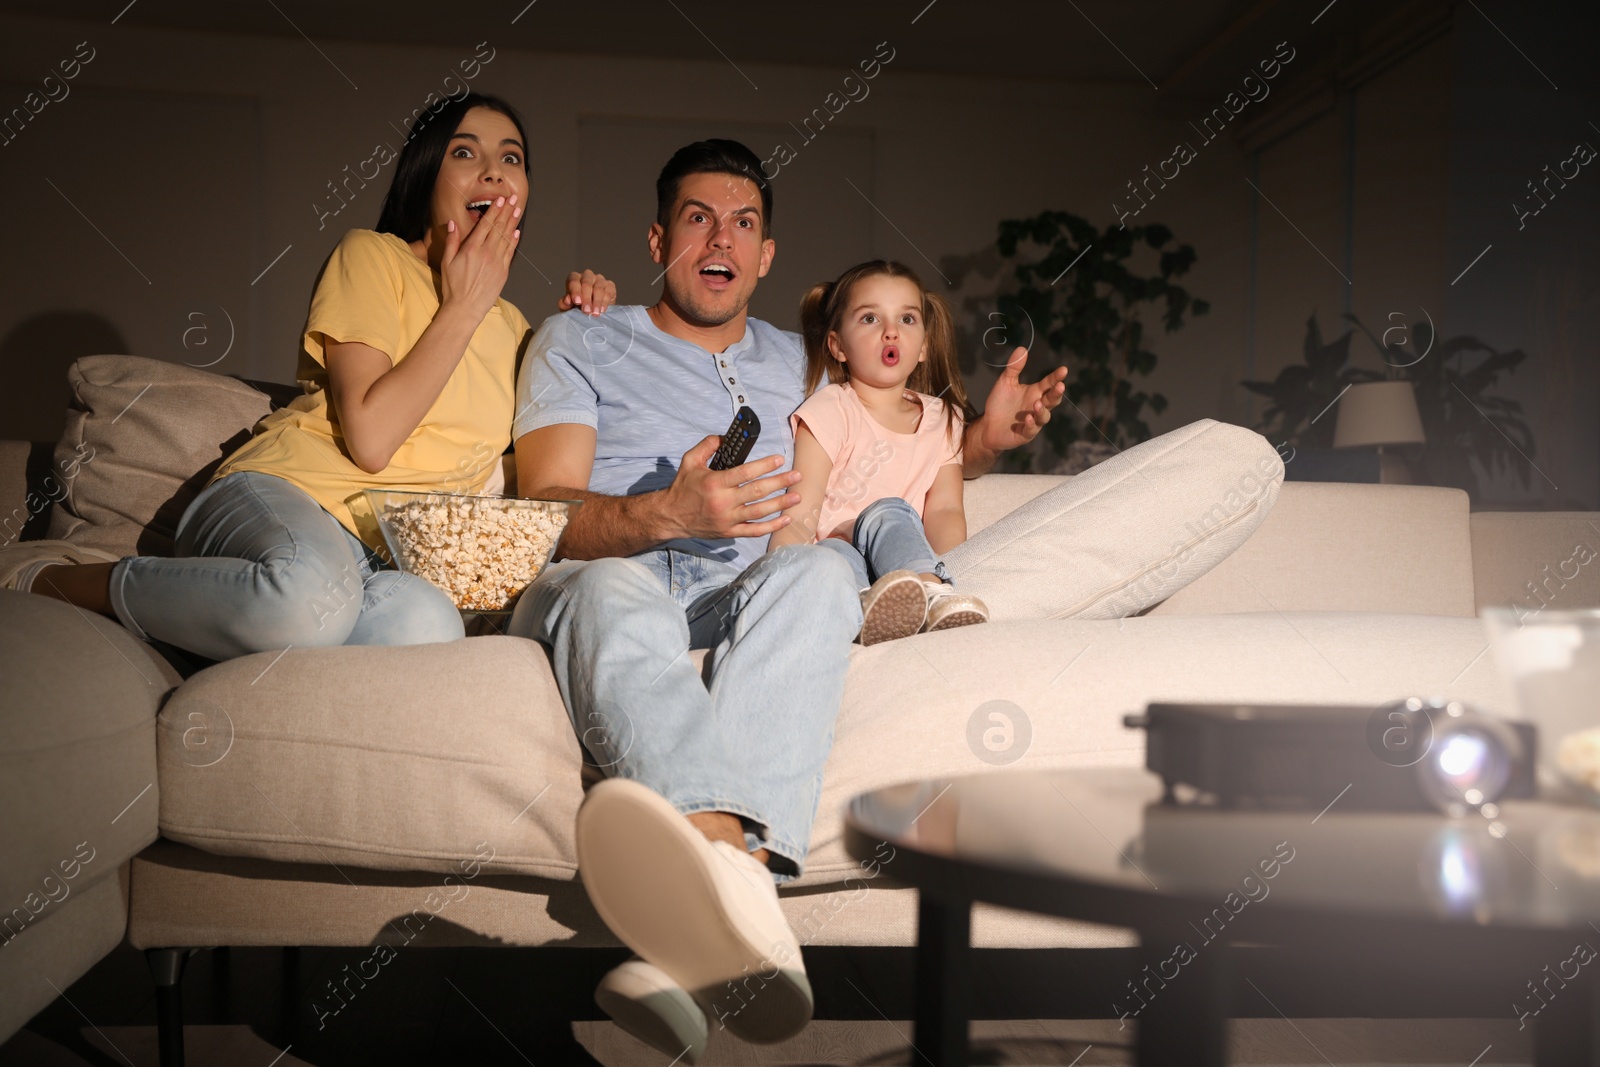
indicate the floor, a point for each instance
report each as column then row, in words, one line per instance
column 249, row 1008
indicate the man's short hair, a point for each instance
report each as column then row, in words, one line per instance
column 716, row 156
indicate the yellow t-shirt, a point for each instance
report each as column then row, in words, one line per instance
column 375, row 290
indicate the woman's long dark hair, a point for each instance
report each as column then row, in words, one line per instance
column 407, row 208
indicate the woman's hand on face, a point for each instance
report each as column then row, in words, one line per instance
column 592, row 292
column 473, row 268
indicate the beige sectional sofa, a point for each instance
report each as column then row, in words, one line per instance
column 359, row 796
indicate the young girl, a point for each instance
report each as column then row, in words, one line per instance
column 409, row 369
column 880, row 447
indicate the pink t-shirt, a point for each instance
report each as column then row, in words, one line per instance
column 870, row 461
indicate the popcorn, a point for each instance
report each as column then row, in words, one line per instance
column 1578, row 756
column 483, row 551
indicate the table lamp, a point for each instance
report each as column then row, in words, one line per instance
column 1378, row 414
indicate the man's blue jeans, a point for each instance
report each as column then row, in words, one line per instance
column 889, row 536
column 751, row 741
column 262, row 566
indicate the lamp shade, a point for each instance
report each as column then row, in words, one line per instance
column 1378, row 413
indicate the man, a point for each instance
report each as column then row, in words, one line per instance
column 714, row 782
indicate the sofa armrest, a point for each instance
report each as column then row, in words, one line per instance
column 27, row 491
column 1536, row 559
column 77, row 754
column 14, row 512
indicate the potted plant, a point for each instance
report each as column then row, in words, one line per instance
column 1074, row 289
column 1468, row 428
column 1303, row 391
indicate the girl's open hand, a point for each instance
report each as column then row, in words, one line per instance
column 592, row 292
column 473, row 269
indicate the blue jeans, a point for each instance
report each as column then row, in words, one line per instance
column 751, row 737
column 259, row 565
column 889, row 536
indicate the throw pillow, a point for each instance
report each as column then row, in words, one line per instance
column 1127, row 533
column 142, row 438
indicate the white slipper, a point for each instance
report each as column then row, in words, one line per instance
column 894, row 607
column 706, row 914
column 645, row 1002
column 948, row 608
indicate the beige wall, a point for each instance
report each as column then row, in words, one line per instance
column 1402, row 194
column 1299, row 232
column 201, row 158
column 1375, row 207
column 242, row 134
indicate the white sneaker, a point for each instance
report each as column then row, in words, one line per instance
column 894, row 607
column 645, row 1002
column 948, row 608
column 705, row 913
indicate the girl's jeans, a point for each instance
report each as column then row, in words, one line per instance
column 262, row 566
column 888, row 537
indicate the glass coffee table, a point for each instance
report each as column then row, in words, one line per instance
column 1511, row 897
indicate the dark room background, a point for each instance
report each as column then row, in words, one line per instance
column 1406, row 162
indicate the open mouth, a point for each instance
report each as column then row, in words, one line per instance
column 891, row 355
column 717, row 275
column 479, row 207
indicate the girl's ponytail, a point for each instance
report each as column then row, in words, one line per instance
column 939, row 374
column 816, row 320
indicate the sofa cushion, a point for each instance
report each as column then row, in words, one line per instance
column 77, row 753
column 55, row 952
column 399, row 758
column 991, row 498
column 1126, row 533
column 1031, row 695
column 420, row 758
column 1409, row 551
column 142, row 438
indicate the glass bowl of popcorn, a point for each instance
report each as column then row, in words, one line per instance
column 482, row 550
column 1552, row 660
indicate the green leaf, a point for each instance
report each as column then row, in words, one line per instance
column 1094, row 320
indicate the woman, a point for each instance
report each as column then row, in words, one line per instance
column 409, row 367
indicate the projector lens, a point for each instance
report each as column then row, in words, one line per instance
column 1470, row 761
column 1463, row 758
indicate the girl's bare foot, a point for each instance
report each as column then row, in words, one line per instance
column 86, row 585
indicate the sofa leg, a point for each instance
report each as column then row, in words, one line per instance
column 166, row 968
column 288, row 991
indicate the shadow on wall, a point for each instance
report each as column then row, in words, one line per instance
column 36, row 355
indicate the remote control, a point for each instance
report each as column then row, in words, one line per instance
column 737, row 442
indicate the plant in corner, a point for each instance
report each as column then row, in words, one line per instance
column 1303, row 391
column 1462, row 421
column 1091, row 317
